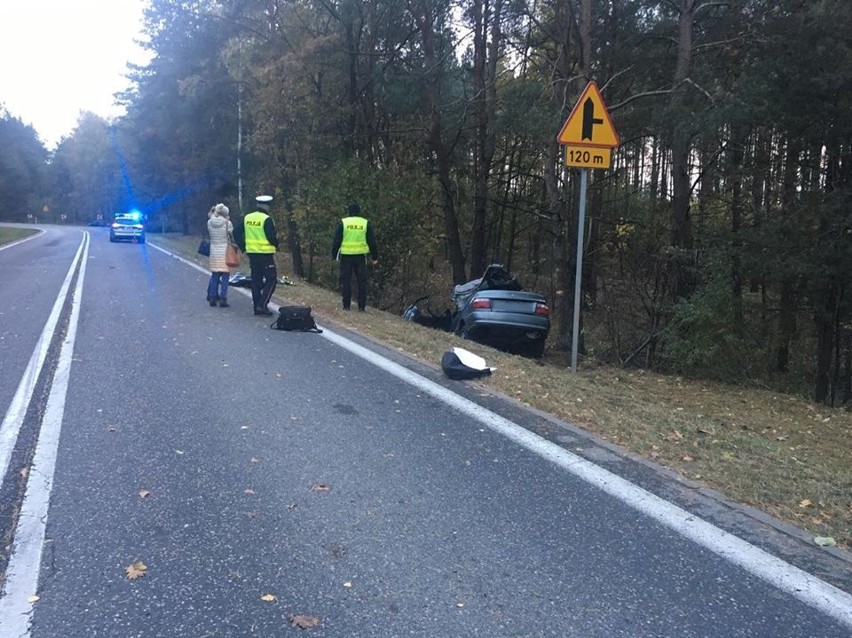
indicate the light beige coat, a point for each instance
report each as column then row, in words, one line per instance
column 220, row 230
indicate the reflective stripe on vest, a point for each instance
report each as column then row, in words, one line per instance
column 256, row 241
column 354, row 236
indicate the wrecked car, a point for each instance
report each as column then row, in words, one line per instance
column 493, row 310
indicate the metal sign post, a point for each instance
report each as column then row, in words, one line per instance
column 578, row 275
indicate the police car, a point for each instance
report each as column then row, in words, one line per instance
column 127, row 227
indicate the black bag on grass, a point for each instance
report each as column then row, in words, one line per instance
column 459, row 364
column 295, row 318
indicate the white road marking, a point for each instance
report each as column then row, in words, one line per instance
column 25, row 559
column 14, row 419
column 798, row 583
column 199, row 268
column 803, row 586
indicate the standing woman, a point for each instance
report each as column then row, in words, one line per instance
column 220, row 229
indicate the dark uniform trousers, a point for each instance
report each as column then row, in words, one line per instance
column 264, row 278
column 358, row 265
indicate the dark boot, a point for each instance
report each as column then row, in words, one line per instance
column 212, row 301
column 223, row 303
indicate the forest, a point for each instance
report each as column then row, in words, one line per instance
column 718, row 245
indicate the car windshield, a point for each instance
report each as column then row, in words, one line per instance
column 126, row 222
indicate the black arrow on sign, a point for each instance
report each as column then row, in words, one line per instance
column 589, row 119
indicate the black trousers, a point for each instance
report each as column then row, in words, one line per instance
column 264, row 278
column 358, row 265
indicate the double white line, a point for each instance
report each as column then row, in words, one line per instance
column 23, row 568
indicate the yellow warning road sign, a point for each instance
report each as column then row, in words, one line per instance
column 589, row 123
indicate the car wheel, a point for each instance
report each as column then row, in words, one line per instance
column 461, row 330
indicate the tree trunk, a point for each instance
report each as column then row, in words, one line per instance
column 680, row 272
column 562, row 299
column 480, row 167
column 294, row 245
column 787, row 302
column 735, row 177
column 563, row 239
column 424, row 14
column 824, row 318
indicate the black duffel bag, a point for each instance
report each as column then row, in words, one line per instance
column 295, row 318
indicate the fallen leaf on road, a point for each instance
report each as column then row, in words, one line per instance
column 248, row 491
column 303, row 622
column 136, row 570
column 347, row 584
column 32, row 599
column 268, row 598
column 320, row 487
column 179, row 452
column 144, row 493
column 254, row 460
column 25, row 471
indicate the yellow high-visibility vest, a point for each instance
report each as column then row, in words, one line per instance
column 256, row 241
column 354, row 236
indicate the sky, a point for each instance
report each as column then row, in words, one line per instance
column 61, row 57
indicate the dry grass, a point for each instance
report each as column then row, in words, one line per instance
column 790, row 458
column 8, row 235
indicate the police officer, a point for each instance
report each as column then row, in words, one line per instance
column 257, row 238
column 353, row 241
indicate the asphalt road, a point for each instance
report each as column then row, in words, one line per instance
column 265, row 478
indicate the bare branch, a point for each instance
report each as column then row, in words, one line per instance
column 623, row 103
column 705, row 92
column 615, row 75
column 710, row 45
column 708, row 5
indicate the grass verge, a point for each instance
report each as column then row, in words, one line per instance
column 779, row 453
column 8, row 235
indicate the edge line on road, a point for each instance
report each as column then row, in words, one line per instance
column 22, row 573
column 798, row 583
column 786, row 577
column 14, row 419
